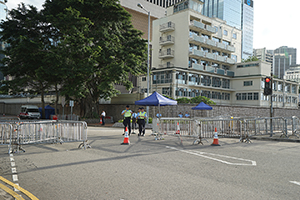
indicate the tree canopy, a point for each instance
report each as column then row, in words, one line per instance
column 78, row 48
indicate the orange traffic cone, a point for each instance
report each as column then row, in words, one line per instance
column 126, row 137
column 216, row 139
column 178, row 128
column 100, row 121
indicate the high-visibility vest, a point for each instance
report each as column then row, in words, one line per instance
column 127, row 113
column 142, row 115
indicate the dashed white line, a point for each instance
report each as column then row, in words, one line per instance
column 201, row 154
column 15, row 178
column 295, row 182
column 13, row 170
column 13, row 164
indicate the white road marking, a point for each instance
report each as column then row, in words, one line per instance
column 12, row 159
column 13, row 164
column 201, row 154
column 15, row 178
column 13, row 170
column 15, row 189
column 295, row 182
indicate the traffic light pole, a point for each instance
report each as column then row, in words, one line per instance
column 271, row 107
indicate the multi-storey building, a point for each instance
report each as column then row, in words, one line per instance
column 264, row 54
column 237, row 13
column 284, row 57
column 196, row 55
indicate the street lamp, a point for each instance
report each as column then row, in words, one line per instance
column 148, row 56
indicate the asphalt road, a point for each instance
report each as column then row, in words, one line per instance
column 164, row 169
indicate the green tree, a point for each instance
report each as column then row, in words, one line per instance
column 250, row 59
column 183, row 100
column 123, row 51
column 204, row 99
column 39, row 55
column 26, row 55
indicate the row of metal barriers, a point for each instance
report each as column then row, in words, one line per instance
column 15, row 134
column 243, row 128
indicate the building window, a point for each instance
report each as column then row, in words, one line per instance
column 294, row 100
column 226, row 83
column 234, row 35
column 244, row 96
column 225, row 32
column 249, row 96
column 255, row 96
column 234, row 57
column 238, row 96
column 216, row 82
column 144, row 78
column 166, row 91
column 248, row 83
column 294, row 89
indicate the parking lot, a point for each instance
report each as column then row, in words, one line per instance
column 172, row 168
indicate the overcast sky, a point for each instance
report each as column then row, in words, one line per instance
column 275, row 22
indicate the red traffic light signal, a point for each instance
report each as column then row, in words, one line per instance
column 268, row 80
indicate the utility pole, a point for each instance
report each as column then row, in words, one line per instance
column 271, row 107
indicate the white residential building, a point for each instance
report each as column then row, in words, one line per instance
column 196, row 55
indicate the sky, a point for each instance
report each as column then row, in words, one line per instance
column 275, row 22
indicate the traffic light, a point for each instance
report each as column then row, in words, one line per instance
column 268, row 86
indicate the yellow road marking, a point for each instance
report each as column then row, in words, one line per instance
column 11, row 192
column 31, row 196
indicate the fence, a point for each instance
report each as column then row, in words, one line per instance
column 48, row 132
column 228, row 127
column 6, row 135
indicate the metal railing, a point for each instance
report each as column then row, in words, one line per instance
column 6, row 131
column 243, row 128
column 49, row 132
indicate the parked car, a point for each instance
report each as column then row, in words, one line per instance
column 29, row 112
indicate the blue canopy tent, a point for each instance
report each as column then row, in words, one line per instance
column 156, row 99
column 202, row 106
column 48, row 111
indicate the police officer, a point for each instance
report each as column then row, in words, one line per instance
column 134, row 117
column 142, row 115
column 127, row 117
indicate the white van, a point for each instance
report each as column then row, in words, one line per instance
column 29, row 112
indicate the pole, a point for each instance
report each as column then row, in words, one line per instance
column 148, row 63
column 271, row 108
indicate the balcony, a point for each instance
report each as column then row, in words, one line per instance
column 211, row 42
column 166, row 40
column 230, row 48
column 221, row 58
column 197, row 39
column 166, row 54
column 197, row 66
column 170, row 26
column 211, row 56
column 199, row 25
column 167, row 65
column 221, row 71
column 198, row 53
column 221, row 46
column 230, row 60
column 230, row 73
column 210, row 69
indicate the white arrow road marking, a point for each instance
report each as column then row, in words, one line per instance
column 201, row 154
column 295, row 182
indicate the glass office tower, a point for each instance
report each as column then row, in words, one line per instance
column 237, row 13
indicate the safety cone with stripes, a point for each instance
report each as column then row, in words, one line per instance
column 126, row 137
column 216, row 139
column 178, row 128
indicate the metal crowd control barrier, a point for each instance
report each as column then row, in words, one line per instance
column 6, row 135
column 49, row 132
column 266, row 126
column 180, row 127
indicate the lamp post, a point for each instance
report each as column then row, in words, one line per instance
column 148, row 56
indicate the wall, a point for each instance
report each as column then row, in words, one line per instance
column 115, row 110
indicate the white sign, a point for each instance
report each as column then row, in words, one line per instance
column 63, row 101
column 71, row 103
